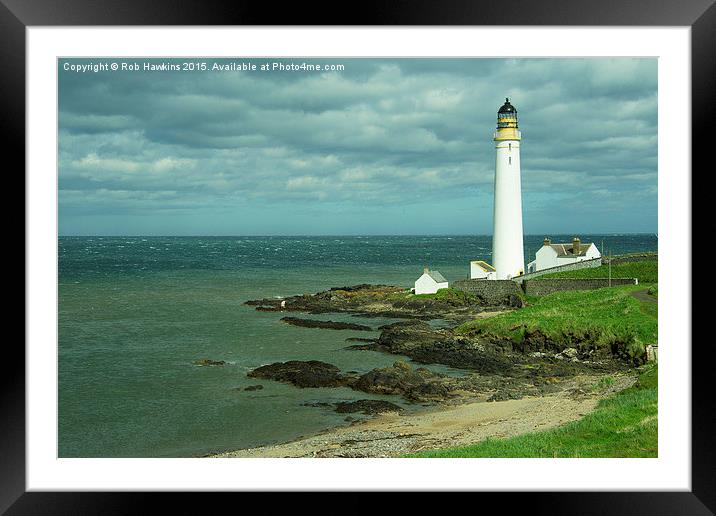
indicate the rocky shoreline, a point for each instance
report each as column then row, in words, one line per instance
column 495, row 369
column 327, row 325
column 386, row 301
column 396, row 434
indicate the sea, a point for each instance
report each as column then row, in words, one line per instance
column 135, row 313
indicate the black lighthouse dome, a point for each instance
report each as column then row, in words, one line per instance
column 507, row 107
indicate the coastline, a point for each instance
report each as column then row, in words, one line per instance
column 204, row 410
column 447, row 425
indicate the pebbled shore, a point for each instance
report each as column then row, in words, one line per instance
column 394, row 435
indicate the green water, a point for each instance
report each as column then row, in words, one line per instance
column 128, row 386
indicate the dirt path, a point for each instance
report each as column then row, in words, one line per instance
column 391, row 435
column 643, row 295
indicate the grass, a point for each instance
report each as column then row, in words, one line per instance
column 448, row 295
column 650, row 309
column 646, row 271
column 623, row 425
column 654, row 291
column 601, row 317
column 603, row 384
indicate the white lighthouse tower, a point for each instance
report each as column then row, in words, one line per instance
column 507, row 247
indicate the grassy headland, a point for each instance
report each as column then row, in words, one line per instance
column 602, row 318
column 646, row 271
column 623, row 425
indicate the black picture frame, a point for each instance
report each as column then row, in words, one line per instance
column 16, row 15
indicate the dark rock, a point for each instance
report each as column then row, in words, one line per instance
column 536, row 340
column 268, row 309
column 316, row 404
column 408, row 335
column 367, row 407
column 515, row 301
column 312, row 373
column 483, row 358
column 356, row 288
column 254, row 388
column 209, row 362
column 504, row 396
column 331, row 325
column 426, row 344
column 362, row 347
column 260, row 302
column 398, row 314
column 402, row 380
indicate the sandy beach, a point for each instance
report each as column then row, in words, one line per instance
column 394, row 435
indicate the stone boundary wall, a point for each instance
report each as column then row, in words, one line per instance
column 491, row 291
column 542, row 287
column 584, row 264
column 646, row 257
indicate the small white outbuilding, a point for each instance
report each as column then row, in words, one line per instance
column 430, row 282
column 482, row 270
column 552, row 254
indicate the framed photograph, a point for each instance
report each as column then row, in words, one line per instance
column 419, row 253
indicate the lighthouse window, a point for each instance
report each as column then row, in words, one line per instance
column 510, row 160
column 510, row 146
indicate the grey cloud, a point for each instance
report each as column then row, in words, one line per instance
column 381, row 132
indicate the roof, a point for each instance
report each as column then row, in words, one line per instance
column 568, row 249
column 507, row 107
column 437, row 277
column 484, row 265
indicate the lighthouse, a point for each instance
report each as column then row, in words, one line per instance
column 507, row 247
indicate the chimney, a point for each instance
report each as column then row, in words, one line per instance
column 547, row 241
column 576, row 245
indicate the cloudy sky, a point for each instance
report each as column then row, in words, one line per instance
column 384, row 146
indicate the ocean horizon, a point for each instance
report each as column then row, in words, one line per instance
column 228, row 235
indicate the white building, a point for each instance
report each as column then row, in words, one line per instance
column 482, row 270
column 430, row 282
column 507, row 246
column 552, row 255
